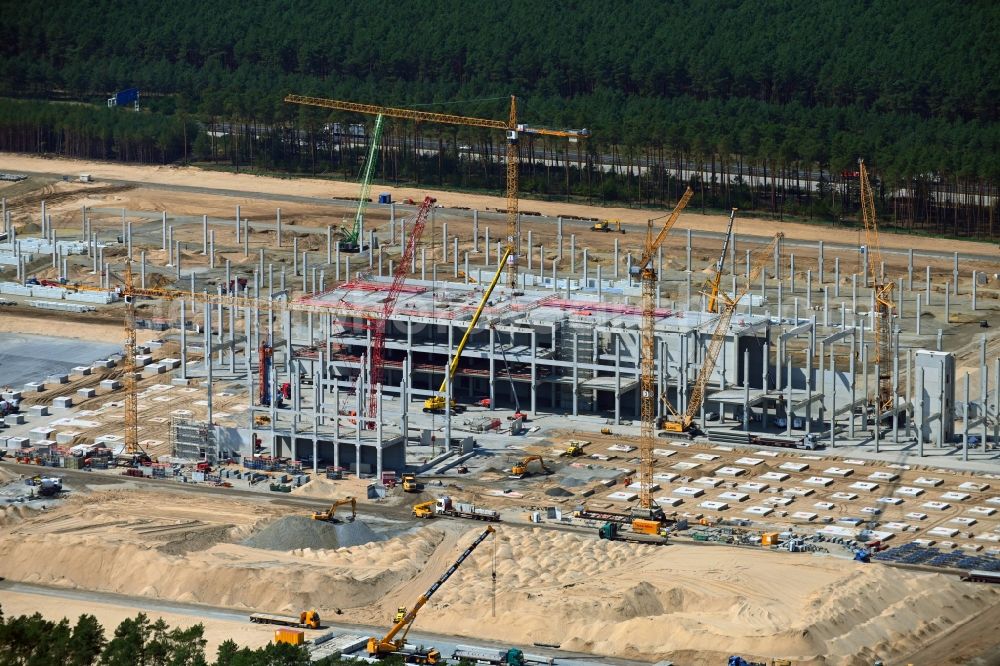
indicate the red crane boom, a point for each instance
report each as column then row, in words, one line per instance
column 389, row 304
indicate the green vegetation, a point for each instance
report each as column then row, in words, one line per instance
column 34, row 641
column 762, row 97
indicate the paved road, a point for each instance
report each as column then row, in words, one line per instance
column 444, row 643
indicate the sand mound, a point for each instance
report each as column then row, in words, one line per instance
column 558, row 492
column 301, row 532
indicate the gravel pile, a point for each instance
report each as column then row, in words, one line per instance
column 558, row 492
column 295, row 532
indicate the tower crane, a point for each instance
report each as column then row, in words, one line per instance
column 882, row 290
column 647, row 275
column 713, row 284
column 389, row 644
column 512, row 128
column 352, row 241
column 684, row 423
column 389, row 304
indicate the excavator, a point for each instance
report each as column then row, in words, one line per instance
column 520, row 469
column 437, row 404
column 330, row 514
column 391, row 645
column 606, row 226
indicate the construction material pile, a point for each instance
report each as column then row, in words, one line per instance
column 300, row 532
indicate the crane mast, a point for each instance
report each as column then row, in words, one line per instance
column 882, row 290
column 512, row 129
column 352, row 240
column 388, row 305
column 647, row 275
column 713, row 292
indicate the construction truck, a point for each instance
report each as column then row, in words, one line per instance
column 574, row 448
column 444, row 506
column 437, row 404
column 389, row 644
column 330, row 514
column 410, row 484
column 520, row 468
column 499, row 656
column 306, row 619
column 643, row 531
column 608, row 226
column 400, row 614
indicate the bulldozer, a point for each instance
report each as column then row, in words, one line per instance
column 520, row 468
column 330, row 514
column 606, row 226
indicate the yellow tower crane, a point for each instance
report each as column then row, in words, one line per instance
column 511, row 127
column 884, row 306
column 647, row 276
column 716, row 280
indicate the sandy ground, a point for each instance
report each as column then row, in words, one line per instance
column 698, row 603
column 192, row 176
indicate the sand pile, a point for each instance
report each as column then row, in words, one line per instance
column 558, row 492
column 699, row 604
column 301, row 532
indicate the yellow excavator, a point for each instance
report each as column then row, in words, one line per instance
column 436, row 404
column 391, row 645
column 520, row 468
column 330, row 514
column 606, row 226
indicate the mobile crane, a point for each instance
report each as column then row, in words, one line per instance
column 436, row 404
column 520, row 469
column 713, row 283
column 389, row 644
column 330, row 514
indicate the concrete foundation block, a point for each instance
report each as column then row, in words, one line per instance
column 142, row 360
column 111, row 384
column 57, row 379
column 86, row 392
column 106, row 363
column 40, row 434
column 66, row 437
column 63, row 402
column 15, row 419
column 157, row 369
column 34, row 387
column 17, row 442
column 82, row 370
column 177, row 381
column 11, row 395
column 39, row 410
column 154, row 344
column 171, row 362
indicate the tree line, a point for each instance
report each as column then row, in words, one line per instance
column 765, row 105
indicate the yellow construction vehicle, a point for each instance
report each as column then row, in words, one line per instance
column 606, row 226
column 389, row 644
column 437, row 403
column 410, row 484
column 424, row 510
column 400, row 614
column 520, row 469
column 716, row 279
column 330, row 514
column 574, row 448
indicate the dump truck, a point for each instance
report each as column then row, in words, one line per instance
column 410, row 484
column 444, row 506
column 305, row 620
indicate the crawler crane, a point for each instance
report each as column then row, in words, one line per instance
column 390, row 644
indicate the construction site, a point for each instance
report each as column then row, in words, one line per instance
column 684, row 436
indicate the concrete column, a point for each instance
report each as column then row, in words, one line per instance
column 927, row 287
column 688, row 251
column 616, row 260
column 909, row 269
column 965, row 413
column 475, row 231
column 917, row 323
column 974, row 292
column 295, row 255
column 238, row 218
column 919, row 409
column 584, row 267
column 486, row 247
column 531, row 246
column 559, row 238
column 947, row 301
column 900, row 299
column 791, row 273
column 940, row 338
column 599, row 287
column 277, row 226
column 128, row 240
column 572, row 253
column 183, row 317
column 329, row 245
column 833, row 398
column 444, row 241
column 163, row 229
column 423, row 263
column 821, row 262
column 954, row 274
column 809, row 289
column 170, row 245
column 211, row 248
